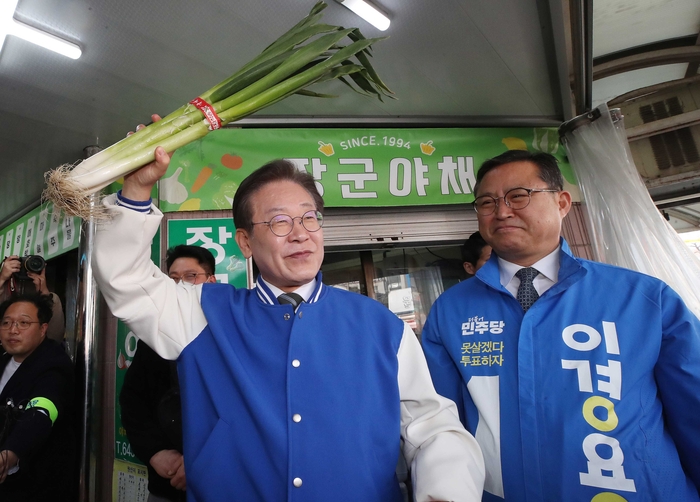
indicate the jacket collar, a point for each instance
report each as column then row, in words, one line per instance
column 570, row 271
column 268, row 297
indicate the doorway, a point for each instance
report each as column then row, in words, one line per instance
column 407, row 280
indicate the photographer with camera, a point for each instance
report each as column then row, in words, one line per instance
column 27, row 274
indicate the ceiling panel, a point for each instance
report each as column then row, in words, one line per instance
column 622, row 24
column 608, row 88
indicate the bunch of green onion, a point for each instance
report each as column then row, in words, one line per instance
column 308, row 53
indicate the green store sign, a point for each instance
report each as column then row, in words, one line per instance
column 352, row 167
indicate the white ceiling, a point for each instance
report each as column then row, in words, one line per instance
column 621, row 24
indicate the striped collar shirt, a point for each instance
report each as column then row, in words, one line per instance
column 268, row 293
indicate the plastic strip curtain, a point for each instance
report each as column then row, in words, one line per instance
column 626, row 227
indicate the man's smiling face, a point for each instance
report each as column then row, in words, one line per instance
column 522, row 236
column 290, row 261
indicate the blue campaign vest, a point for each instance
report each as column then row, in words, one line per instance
column 582, row 375
column 254, row 421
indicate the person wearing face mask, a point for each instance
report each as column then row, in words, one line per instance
column 150, row 396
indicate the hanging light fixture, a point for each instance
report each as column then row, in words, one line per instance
column 368, row 12
column 10, row 26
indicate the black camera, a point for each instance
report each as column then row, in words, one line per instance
column 32, row 263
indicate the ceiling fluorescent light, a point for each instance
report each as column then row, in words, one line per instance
column 7, row 10
column 10, row 26
column 45, row 40
column 368, row 12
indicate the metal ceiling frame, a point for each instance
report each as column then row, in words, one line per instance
column 582, row 48
column 647, row 59
column 645, row 91
column 401, row 121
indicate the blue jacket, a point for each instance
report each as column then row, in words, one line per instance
column 596, row 389
column 241, row 439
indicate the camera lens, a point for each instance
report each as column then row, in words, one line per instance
column 34, row 263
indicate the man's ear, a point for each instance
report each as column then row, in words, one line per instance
column 469, row 268
column 243, row 241
column 564, row 199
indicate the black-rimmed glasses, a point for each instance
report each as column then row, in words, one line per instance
column 515, row 198
column 282, row 224
column 189, row 278
column 6, row 324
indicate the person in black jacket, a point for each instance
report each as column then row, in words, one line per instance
column 150, row 397
column 37, row 442
column 475, row 252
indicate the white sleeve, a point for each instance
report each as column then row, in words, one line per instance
column 165, row 315
column 446, row 461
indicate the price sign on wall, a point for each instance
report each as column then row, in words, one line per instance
column 45, row 231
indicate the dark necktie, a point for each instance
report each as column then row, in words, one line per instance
column 527, row 295
column 292, row 299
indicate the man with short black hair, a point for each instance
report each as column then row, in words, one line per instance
column 291, row 390
column 37, row 443
column 578, row 379
column 193, row 264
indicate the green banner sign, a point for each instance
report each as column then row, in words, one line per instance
column 44, row 231
column 352, row 167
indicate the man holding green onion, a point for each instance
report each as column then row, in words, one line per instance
column 292, row 390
